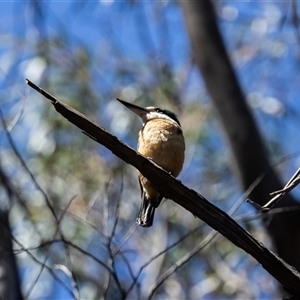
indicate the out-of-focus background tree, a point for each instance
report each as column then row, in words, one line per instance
column 88, row 53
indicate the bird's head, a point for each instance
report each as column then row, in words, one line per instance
column 150, row 112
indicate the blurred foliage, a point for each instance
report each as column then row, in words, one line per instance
column 88, row 53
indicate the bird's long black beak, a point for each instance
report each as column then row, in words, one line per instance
column 140, row 111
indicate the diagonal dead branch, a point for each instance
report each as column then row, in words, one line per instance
column 278, row 195
column 182, row 195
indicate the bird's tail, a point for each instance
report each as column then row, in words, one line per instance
column 147, row 209
column 146, row 213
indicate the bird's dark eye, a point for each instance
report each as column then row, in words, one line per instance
column 158, row 110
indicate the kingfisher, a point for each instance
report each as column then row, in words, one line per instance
column 161, row 140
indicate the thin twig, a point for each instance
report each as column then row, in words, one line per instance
column 27, row 250
column 57, row 231
column 258, row 214
column 22, row 161
column 71, row 244
column 291, row 184
column 153, row 258
column 181, row 262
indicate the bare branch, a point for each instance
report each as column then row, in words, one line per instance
column 153, row 258
column 181, row 262
column 19, row 156
column 182, row 195
column 43, row 264
column 292, row 183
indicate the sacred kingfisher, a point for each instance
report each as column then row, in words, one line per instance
column 162, row 141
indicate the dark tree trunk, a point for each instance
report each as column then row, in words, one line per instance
column 9, row 278
column 249, row 156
